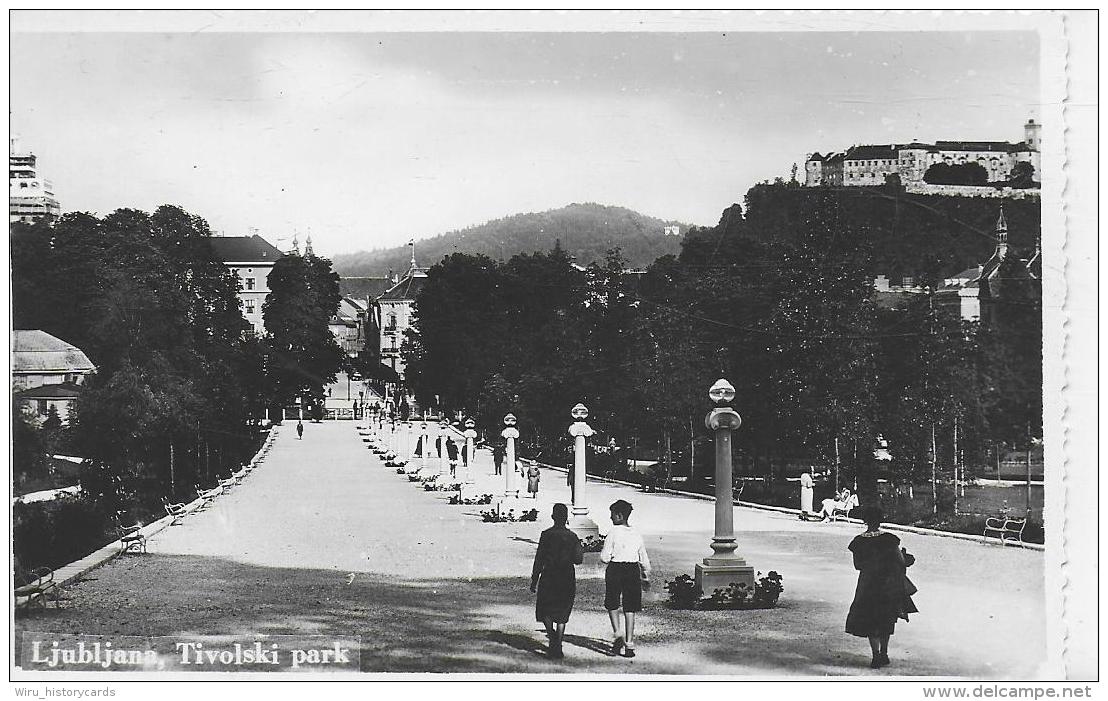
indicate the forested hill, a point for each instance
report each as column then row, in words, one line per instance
column 586, row 231
column 924, row 236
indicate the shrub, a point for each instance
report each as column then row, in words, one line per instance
column 494, row 516
column 55, row 533
column 483, row 499
column 684, row 594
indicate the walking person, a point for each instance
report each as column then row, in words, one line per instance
column 452, row 455
column 884, row 592
column 628, row 573
column 807, row 488
column 554, row 579
column 533, row 481
column 498, row 458
column 299, row 430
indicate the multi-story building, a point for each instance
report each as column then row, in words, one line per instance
column 394, row 314
column 860, row 166
column 251, row 259
column 30, row 197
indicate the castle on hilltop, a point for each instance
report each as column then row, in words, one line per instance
column 860, row 166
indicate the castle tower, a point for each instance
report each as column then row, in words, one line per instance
column 1032, row 134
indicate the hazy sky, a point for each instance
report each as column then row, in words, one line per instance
column 366, row 140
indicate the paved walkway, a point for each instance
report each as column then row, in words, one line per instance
column 323, row 539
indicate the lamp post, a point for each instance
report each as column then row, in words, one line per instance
column 510, row 434
column 579, row 521
column 471, row 437
column 725, row 566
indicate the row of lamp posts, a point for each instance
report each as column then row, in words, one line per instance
column 723, row 567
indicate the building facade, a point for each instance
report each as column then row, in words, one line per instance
column 861, row 166
column 394, row 315
column 47, row 372
column 251, row 259
column 30, row 197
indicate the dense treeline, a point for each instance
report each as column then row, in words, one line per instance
column 585, row 230
column 790, row 320
column 179, row 382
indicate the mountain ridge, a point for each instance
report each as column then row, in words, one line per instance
column 586, row 231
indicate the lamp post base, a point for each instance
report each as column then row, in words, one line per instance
column 583, row 526
column 718, row 573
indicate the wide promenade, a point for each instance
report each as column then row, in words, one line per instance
column 323, row 539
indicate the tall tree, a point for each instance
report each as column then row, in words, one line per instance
column 303, row 353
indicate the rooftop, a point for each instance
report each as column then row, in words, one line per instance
column 408, row 287
column 244, row 249
column 37, row 351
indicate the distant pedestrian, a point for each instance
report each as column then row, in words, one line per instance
column 806, row 491
column 299, row 430
column 533, row 481
column 628, row 573
column 884, row 592
column 553, row 577
column 452, row 455
column 498, row 458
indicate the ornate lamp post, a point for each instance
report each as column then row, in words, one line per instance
column 510, row 434
column 579, row 521
column 471, row 437
column 725, row 566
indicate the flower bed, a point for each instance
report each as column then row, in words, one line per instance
column 494, row 516
column 684, row 594
column 458, row 499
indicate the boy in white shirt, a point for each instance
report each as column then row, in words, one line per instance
column 627, row 574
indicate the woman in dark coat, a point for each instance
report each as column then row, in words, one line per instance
column 884, row 592
column 553, row 577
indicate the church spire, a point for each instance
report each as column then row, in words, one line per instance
column 296, row 244
column 1001, row 235
column 308, row 246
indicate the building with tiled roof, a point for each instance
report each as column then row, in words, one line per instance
column 869, row 165
column 393, row 314
column 251, row 259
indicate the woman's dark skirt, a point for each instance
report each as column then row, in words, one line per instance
column 556, row 591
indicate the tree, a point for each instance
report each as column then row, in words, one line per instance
column 303, row 354
column 970, row 173
column 1022, row 175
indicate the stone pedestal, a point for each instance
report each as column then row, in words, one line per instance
column 583, row 526
column 719, row 572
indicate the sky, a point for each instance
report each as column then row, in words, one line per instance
column 365, row 140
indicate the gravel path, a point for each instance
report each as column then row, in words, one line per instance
column 323, row 539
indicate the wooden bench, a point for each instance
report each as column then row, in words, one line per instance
column 131, row 539
column 34, row 585
column 1005, row 528
column 175, row 511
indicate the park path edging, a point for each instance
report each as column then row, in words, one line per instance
column 786, row 510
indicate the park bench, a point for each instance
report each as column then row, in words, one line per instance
column 208, row 494
column 131, row 539
column 34, row 585
column 1005, row 528
column 175, row 511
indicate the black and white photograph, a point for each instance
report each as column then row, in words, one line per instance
column 552, row 346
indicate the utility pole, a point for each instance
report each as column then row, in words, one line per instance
column 957, row 482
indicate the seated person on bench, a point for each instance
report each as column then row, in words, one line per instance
column 843, row 502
